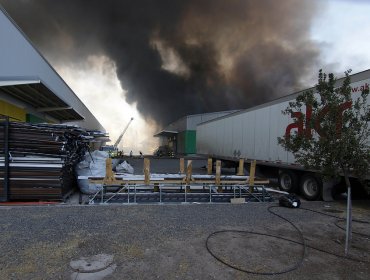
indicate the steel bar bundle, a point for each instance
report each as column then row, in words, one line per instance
column 38, row 159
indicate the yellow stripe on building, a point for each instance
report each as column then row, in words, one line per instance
column 12, row 111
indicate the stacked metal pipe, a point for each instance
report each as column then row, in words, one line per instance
column 41, row 159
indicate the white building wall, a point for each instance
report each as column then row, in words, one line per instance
column 193, row 120
column 18, row 58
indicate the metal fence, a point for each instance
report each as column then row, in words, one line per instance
column 163, row 193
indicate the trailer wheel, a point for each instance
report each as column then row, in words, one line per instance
column 311, row 187
column 288, row 181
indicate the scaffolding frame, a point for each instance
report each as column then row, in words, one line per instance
column 184, row 186
column 162, row 193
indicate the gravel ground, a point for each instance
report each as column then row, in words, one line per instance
column 168, row 241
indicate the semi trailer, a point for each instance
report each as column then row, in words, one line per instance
column 253, row 134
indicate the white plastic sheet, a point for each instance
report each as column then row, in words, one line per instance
column 92, row 165
column 124, row 167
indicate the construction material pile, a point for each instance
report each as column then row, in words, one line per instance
column 94, row 164
column 41, row 159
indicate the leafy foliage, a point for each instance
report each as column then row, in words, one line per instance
column 334, row 135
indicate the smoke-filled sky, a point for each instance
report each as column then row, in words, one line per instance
column 161, row 60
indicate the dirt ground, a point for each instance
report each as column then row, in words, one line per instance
column 170, row 241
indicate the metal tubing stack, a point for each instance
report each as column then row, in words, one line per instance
column 41, row 159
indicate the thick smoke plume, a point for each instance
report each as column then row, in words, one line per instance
column 181, row 57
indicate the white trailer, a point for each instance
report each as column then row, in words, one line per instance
column 252, row 134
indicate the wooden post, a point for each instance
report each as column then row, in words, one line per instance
column 218, row 176
column 146, row 171
column 209, row 166
column 188, row 174
column 109, row 175
column 241, row 167
column 252, row 173
column 182, row 166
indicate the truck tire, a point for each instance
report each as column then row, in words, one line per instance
column 288, row 181
column 311, row 187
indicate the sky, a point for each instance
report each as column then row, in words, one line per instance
column 187, row 58
column 343, row 33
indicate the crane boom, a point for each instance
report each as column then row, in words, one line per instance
column 121, row 135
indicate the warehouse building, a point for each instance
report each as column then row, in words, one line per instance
column 30, row 89
column 36, row 161
column 179, row 137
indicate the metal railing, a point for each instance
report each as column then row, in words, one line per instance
column 169, row 193
column 4, row 122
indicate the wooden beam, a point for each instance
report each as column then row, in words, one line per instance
column 218, row 175
column 110, row 179
column 188, row 172
column 146, row 171
column 109, row 175
column 252, row 173
column 182, row 166
column 120, row 181
column 241, row 167
column 209, row 166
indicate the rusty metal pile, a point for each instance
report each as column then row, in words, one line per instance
column 37, row 160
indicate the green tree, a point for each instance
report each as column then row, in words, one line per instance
column 333, row 132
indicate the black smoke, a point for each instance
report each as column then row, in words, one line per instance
column 180, row 57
